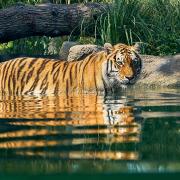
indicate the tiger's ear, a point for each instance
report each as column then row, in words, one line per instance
column 108, row 47
column 137, row 47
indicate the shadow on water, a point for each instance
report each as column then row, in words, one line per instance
column 131, row 132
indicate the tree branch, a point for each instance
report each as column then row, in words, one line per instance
column 52, row 20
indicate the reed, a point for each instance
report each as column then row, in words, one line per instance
column 155, row 23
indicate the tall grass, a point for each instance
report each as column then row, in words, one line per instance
column 155, row 23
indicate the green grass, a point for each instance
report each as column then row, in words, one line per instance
column 155, row 23
column 32, row 46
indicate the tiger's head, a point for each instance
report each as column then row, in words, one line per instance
column 123, row 64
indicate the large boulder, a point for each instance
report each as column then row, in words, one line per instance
column 79, row 52
column 160, row 71
column 64, row 51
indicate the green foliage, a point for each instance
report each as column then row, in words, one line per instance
column 155, row 23
column 33, row 46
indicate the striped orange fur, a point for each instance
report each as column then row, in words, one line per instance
column 102, row 71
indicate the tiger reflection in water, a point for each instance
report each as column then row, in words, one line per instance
column 94, row 119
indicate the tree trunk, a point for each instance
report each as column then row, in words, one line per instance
column 48, row 19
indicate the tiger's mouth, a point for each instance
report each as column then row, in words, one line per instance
column 131, row 80
column 115, row 78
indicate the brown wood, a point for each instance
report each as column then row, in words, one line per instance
column 52, row 20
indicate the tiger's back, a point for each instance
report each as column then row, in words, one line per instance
column 23, row 75
column 46, row 76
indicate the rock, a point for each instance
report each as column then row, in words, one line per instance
column 79, row 52
column 160, row 71
column 64, row 51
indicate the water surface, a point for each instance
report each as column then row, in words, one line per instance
column 131, row 131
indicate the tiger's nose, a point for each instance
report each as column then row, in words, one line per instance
column 130, row 78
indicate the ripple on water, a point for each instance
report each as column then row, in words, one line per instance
column 130, row 132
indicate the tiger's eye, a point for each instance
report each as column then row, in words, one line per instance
column 135, row 61
column 119, row 61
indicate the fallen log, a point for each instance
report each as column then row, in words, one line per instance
column 48, row 19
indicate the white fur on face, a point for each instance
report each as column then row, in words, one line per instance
column 120, row 58
column 133, row 56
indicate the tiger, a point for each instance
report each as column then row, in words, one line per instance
column 115, row 67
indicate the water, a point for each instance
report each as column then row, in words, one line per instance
column 133, row 131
